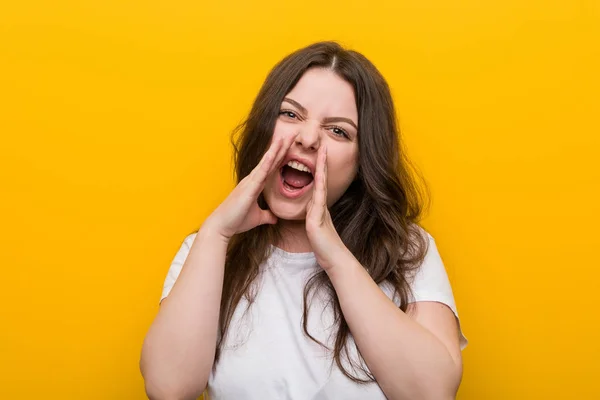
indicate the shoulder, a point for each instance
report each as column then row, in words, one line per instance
column 421, row 232
column 430, row 283
column 177, row 263
column 189, row 239
column 431, row 275
column 184, row 248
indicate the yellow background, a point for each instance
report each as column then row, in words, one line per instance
column 115, row 119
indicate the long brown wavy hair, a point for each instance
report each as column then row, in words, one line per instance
column 376, row 218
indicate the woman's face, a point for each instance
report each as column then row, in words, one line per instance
column 319, row 111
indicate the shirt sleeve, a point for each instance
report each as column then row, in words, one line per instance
column 177, row 265
column 431, row 283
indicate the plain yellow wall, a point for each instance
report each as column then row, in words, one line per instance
column 115, row 119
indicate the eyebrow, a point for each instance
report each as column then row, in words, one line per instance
column 326, row 120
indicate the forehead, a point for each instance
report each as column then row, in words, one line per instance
column 325, row 94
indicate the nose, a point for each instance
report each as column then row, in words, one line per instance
column 309, row 136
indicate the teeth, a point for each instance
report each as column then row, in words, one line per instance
column 299, row 166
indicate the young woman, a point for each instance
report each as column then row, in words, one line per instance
column 313, row 279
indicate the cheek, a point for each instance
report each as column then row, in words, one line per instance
column 343, row 171
column 283, row 130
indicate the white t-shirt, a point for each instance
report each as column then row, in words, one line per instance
column 266, row 354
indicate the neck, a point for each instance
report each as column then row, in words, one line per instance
column 293, row 236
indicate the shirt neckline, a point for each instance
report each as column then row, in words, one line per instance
column 292, row 256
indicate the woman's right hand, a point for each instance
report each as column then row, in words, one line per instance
column 240, row 212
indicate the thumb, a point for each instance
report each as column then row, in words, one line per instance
column 267, row 217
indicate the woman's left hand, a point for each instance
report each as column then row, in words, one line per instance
column 324, row 239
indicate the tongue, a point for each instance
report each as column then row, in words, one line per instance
column 295, row 178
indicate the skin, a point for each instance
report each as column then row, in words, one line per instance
column 413, row 355
column 319, row 114
column 422, row 343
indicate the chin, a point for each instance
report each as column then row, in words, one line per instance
column 288, row 212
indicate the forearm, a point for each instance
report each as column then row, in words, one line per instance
column 408, row 361
column 179, row 349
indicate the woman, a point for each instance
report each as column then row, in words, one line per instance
column 312, row 280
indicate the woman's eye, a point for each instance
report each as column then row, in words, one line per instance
column 335, row 129
column 287, row 113
column 339, row 132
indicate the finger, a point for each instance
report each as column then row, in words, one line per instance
column 279, row 147
column 310, row 204
column 286, row 144
column 269, row 163
column 261, row 171
column 321, row 179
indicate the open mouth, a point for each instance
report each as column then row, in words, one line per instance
column 294, row 180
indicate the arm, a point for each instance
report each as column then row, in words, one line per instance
column 179, row 348
column 414, row 355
